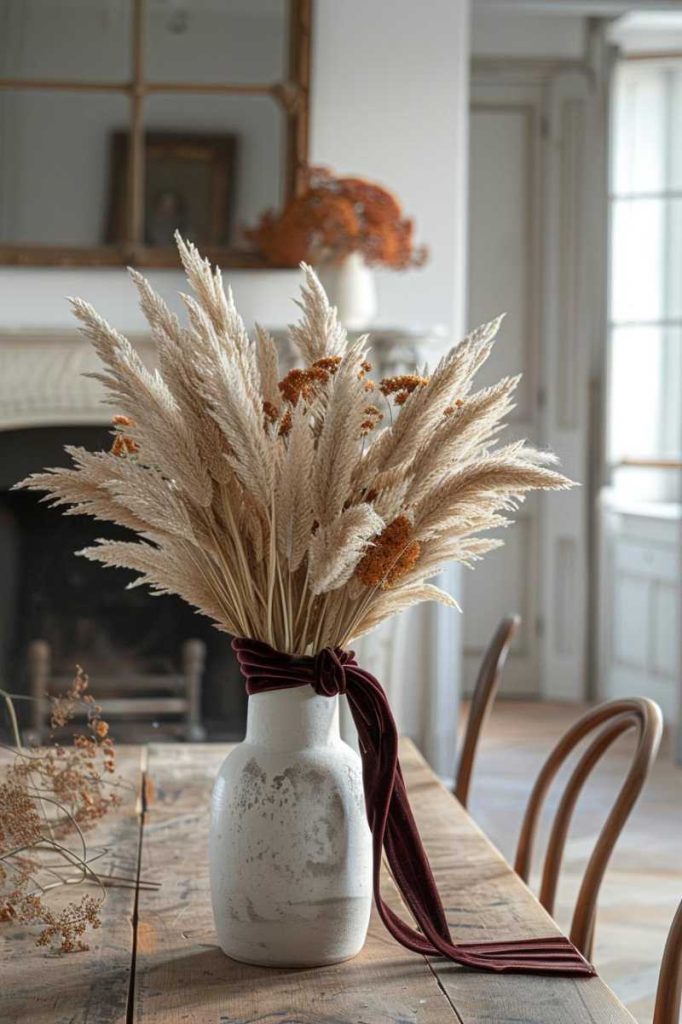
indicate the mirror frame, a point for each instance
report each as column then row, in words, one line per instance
column 293, row 97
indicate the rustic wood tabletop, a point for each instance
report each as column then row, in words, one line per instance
column 155, row 959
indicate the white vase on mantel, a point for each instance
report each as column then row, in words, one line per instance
column 351, row 287
column 290, row 849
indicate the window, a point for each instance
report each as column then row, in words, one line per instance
column 645, row 319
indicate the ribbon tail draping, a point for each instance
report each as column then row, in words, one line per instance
column 394, row 830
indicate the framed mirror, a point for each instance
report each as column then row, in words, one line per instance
column 121, row 120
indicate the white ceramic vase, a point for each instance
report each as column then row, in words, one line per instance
column 351, row 287
column 290, row 848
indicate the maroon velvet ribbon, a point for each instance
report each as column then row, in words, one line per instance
column 393, row 827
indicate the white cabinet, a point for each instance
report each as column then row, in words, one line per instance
column 641, row 602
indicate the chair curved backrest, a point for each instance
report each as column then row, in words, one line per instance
column 487, row 685
column 609, row 721
column 669, row 992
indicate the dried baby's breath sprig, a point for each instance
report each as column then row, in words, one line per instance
column 284, row 509
column 49, row 797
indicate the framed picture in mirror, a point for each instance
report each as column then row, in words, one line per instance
column 189, row 185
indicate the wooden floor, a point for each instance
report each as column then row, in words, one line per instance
column 644, row 881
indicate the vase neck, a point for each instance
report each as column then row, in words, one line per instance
column 292, row 719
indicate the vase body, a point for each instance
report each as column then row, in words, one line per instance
column 351, row 287
column 289, row 847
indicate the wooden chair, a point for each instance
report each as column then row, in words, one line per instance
column 669, row 992
column 608, row 721
column 487, row 685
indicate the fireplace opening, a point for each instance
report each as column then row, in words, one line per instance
column 58, row 610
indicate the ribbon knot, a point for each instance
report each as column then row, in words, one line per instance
column 329, row 673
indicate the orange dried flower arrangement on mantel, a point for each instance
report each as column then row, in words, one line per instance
column 334, row 217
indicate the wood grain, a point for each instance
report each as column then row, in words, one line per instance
column 89, row 987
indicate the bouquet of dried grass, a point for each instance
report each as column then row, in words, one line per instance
column 281, row 509
column 277, row 507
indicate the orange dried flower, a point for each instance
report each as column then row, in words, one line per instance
column 373, row 417
column 334, row 217
column 123, row 444
column 270, row 412
column 402, row 386
column 302, row 383
column 328, row 363
column 285, row 423
column 450, row 409
column 391, row 555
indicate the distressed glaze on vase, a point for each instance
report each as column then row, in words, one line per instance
column 289, row 847
column 351, row 287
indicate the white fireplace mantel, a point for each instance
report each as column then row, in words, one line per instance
column 43, row 378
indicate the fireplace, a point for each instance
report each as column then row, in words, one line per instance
column 79, row 612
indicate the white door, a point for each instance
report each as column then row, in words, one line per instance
column 505, row 198
column 526, row 200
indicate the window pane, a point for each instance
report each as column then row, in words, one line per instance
column 214, row 164
column 637, row 259
column 637, row 358
column 55, row 166
column 676, row 127
column 244, row 42
column 674, row 258
column 46, row 39
column 639, row 129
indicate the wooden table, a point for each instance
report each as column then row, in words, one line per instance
column 156, row 959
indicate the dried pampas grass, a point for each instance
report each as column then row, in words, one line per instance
column 277, row 507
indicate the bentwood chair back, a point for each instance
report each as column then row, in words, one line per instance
column 669, row 992
column 607, row 722
column 487, row 685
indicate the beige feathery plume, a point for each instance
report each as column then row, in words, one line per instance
column 217, row 309
column 144, row 396
column 336, row 549
column 460, row 435
column 451, row 380
column 268, row 367
column 340, row 442
column 230, row 404
column 388, row 491
column 294, row 513
column 174, row 345
column 319, row 334
column 464, row 550
column 167, row 570
column 501, row 478
column 392, row 602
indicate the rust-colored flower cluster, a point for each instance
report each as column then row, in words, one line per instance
column 306, row 384
column 392, row 554
column 402, row 386
column 334, row 217
column 48, row 798
column 123, row 443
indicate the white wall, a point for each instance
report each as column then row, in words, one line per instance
column 496, row 33
column 389, row 101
